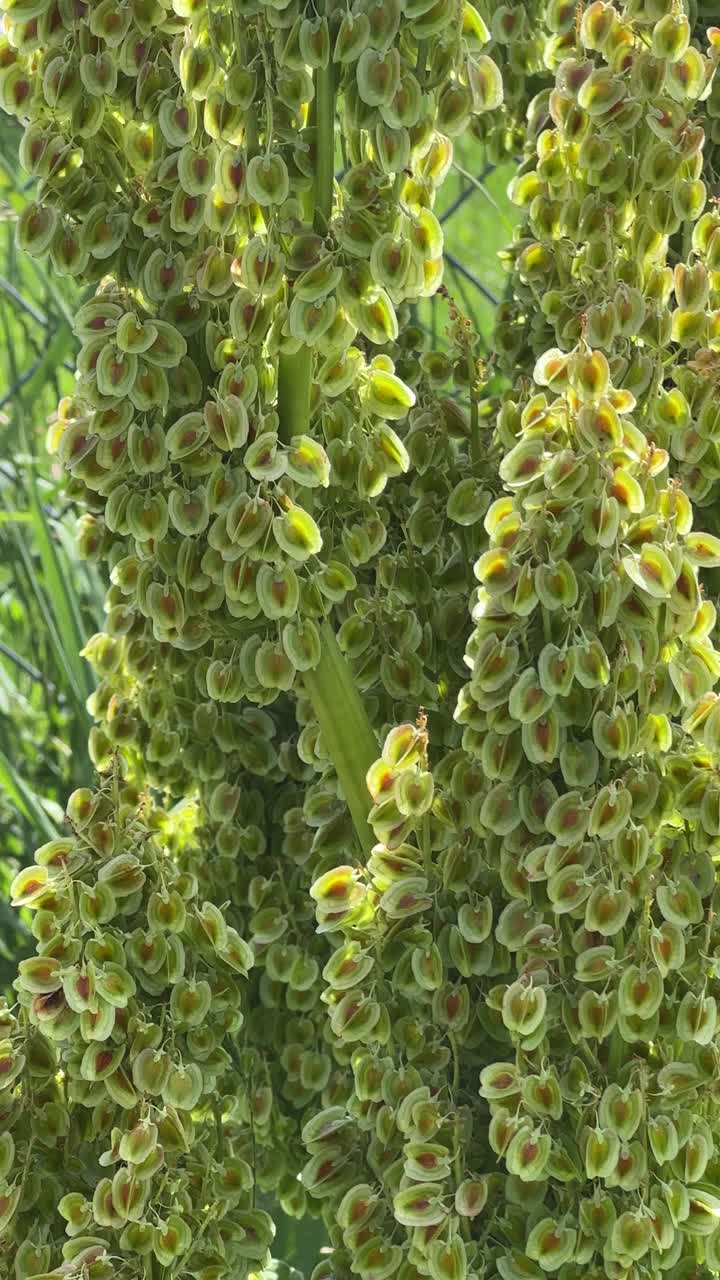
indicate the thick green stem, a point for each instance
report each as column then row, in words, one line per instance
column 346, row 730
column 294, row 378
column 325, row 138
column 336, row 702
column 295, row 371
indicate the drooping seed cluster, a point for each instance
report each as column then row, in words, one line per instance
column 123, row 1107
column 248, row 386
column 614, row 185
column 574, row 828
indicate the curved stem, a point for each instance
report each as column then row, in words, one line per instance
column 346, row 730
column 336, row 702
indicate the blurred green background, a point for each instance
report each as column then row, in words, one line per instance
column 50, row 600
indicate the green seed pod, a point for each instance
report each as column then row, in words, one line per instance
column 309, row 322
column 471, row 1197
column 378, row 76
column 297, row 533
column 550, row 1244
column 273, row 668
column 607, row 910
column 419, row 1205
column 352, row 38
column 36, row 229
column 278, row 591
column 523, row 1009
column 267, row 180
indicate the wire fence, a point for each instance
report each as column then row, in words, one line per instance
column 478, row 221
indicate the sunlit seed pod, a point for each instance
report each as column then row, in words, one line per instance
column 471, row 1197
column 378, row 76
column 387, row 396
column 614, row 736
column 105, row 656
column 226, row 423
column 264, row 461
column 297, row 533
column 307, row 462
column 314, row 42
column 597, row 25
column 185, row 435
column 679, row 902
column 186, row 213
column 190, row 1002
column 691, row 286
column 162, row 275
column 353, row 35
column 495, row 664
column 224, row 682
column 663, row 1138
column 166, row 605
column 195, row 171
column 602, row 325
column 177, row 120
column 67, row 254
column 670, row 37
column 448, row 1260
column 702, row 550
column 486, row 84
column 223, row 120
column 632, row 1235
column 335, row 580
column 250, row 317
column 197, row 69
column 556, row 670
